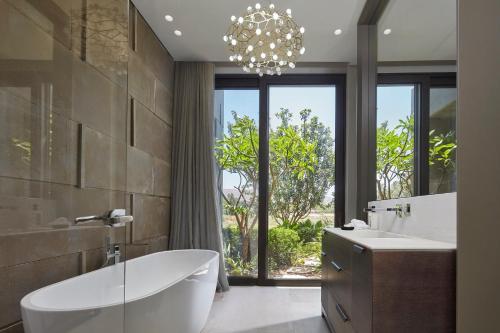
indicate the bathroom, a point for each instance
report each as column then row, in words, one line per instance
column 193, row 167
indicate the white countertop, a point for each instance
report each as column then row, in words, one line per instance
column 392, row 241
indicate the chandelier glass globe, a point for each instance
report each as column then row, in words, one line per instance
column 265, row 40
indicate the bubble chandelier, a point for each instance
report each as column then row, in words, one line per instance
column 265, row 40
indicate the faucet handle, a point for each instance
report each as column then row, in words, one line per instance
column 116, row 212
column 120, row 221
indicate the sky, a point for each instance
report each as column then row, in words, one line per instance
column 393, row 103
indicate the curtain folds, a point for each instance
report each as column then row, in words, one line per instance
column 196, row 221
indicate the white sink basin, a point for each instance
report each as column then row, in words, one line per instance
column 376, row 234
column 382, row 240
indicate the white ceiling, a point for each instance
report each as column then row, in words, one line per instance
column 421, row 30
column 204, row 22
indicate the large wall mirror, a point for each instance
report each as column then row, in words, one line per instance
column 416, row 99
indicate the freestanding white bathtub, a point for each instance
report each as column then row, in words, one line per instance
column 167, row 292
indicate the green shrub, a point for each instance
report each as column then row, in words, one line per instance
column 312, row 249
column 232, row 251
column 232, row 241
column 236, row 267
column 283, row 246
column 307, row 230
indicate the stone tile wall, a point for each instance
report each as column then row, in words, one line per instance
column 86, row 103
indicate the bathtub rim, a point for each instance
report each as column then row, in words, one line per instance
column 26, row 303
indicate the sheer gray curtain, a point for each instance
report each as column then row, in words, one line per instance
column 196, row 220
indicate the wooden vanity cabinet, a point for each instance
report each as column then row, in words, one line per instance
column 385, row 291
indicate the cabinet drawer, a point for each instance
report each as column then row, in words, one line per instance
column 339, row 319
column 340, row 284
column 341, row 250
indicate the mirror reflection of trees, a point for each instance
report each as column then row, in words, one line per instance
column 395, row 158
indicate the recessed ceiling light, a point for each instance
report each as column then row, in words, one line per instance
column 387, row 31
column 178, row 33
column 337, row 32
column 169, row 18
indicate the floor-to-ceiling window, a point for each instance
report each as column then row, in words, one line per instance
column 237, row 155
column 301, row 177
column 416, row 141
column 280, row 148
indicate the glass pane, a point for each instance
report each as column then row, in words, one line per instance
column 62, row 124
column 237, row 154
column 442, row 140
column 301, row 178
column 395, row 141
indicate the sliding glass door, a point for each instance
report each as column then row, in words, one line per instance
column 301, row 183
column 237, row 155
column 280, row 148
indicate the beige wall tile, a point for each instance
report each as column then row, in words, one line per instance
column 152, row 135
column 98, row 102
column 31, row 205
column 34, row 60
column 94, row 259
column 139, row 171
column 163, row 102
column 53, row 17
column 152, row 52
column 141, row 82
column 106, row 31
column 22, row 279
column 105, row 161
column 158, row 244
column 35, row 143
column 151, row 217
column 162, row 178
column 136, row 250
column 95, row 201
column 17, row 248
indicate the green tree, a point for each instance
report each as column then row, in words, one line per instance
column 395, row 157
column 301, row 170
column 295, row 194
column 442, row 149
column 238, row 153
column 395, row 149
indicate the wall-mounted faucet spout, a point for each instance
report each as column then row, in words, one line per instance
column 113, row 218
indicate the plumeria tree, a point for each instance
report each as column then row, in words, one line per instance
column 301, row 164
column 395, row 157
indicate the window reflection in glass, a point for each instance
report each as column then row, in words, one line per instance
column 395, row 141
column 442, row 140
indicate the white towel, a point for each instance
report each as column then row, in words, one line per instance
column 357, row 224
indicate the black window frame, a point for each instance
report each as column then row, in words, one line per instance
column 244, row 82
column 424, row 82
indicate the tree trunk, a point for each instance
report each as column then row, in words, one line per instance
column 246, row 255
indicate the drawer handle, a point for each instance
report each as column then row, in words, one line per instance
column 336, row 266
column 341, row 312
column 358, row 249
column 323, row 253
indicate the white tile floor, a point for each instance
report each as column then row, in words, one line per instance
column 267, row 310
